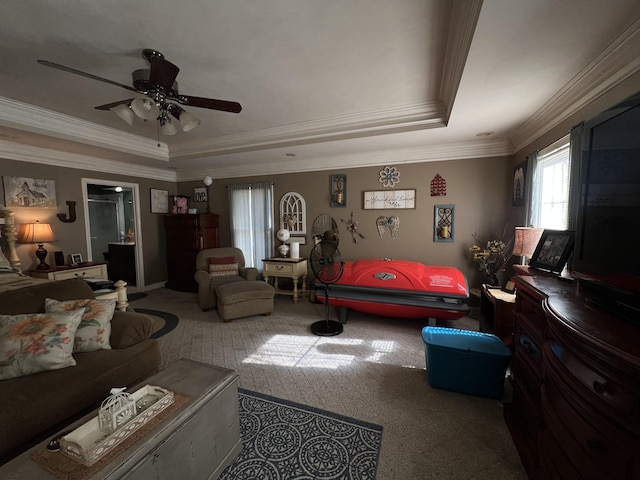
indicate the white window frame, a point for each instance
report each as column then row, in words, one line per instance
column 550, row 188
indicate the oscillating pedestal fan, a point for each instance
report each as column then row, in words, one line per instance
column 327, row 266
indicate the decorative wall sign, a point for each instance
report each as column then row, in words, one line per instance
column 389, row 176
column 389, row 199
column 391, row 223
column 338, row 190
column 72, row 213
column 29, row 192
column 443, row 223
column 159, row 201
column 519, row 183
column 200, row 194
column 438, row 186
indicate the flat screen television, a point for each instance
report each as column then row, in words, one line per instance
column 607, row 245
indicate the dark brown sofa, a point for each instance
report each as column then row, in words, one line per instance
column 35, row 406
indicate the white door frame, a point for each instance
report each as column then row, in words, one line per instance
column 135, row 191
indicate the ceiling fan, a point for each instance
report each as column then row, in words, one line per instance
column 161, row 100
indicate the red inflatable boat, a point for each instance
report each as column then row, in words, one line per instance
column 398, row 288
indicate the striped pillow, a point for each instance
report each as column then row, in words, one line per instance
column 223, row 270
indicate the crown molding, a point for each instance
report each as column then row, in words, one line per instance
column 464, row 19
column 376, row 122
column 28, row 153
column 434, row 153
column 34, row 119
column 614, row 64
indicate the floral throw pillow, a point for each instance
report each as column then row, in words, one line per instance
column 37, row 342
column 223, row 270
column 94, row 330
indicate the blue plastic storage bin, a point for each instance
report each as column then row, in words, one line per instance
column 466, row 362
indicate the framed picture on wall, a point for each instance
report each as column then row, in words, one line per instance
column 159, row 201
column 519, row 184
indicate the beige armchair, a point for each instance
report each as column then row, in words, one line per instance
column 208, row 283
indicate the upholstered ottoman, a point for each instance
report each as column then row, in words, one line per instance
column 242, row 299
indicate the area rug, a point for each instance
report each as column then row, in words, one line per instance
column 284, row 440
column 132, row 297
column 165, row 322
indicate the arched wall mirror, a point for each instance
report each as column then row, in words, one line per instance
column 293, row 213
column 322, row 224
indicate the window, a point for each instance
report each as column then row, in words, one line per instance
column 550, row 189
column 251, row 218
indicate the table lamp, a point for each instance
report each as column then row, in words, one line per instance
column 525, row 241
column 37, row 233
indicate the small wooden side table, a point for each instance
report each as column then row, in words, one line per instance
column 293, row 268
column 497, row 309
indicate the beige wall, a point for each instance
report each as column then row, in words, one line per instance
column 480, row 189
column 71, row 236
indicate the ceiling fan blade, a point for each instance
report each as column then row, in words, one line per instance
column 84, row 74
column 109, row 106
column 163, row 73
column 211, row 103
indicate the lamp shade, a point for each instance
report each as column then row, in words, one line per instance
column 167, row 128
column 145, row 108
column 526, row 240
column 124, row 112
column 188, row 121
column 36, row 233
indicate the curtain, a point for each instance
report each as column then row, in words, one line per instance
column 251, row 218
column 575, row 150
column 530, row 195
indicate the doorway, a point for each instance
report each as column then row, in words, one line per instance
column 113, row 230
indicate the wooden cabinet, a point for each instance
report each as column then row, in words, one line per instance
column 186, row 236
column 122, row 262
column 497, row 310
column 576, row 385
column 91, row 270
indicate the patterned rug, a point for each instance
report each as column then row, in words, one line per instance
column 165, row 322
column 284, row 440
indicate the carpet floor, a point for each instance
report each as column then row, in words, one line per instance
column 284, row 440
column 374, row 371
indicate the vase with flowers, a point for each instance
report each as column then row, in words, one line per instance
column 492, row 256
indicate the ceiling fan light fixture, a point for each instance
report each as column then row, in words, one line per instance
column 166, row 127
column 145, row 108
column 187, row 120
column 124, row 112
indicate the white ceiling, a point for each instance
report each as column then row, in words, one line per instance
column 337, row 83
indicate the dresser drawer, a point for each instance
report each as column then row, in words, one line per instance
column 530, row 310
column 595, row 382
column 287, row 268
column 595, row 446
column 528, row 343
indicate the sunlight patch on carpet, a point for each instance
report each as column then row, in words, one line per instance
column 286, row 440
column 318, row 352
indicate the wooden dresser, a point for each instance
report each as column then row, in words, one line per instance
column 186, row 236
column 575, row 412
